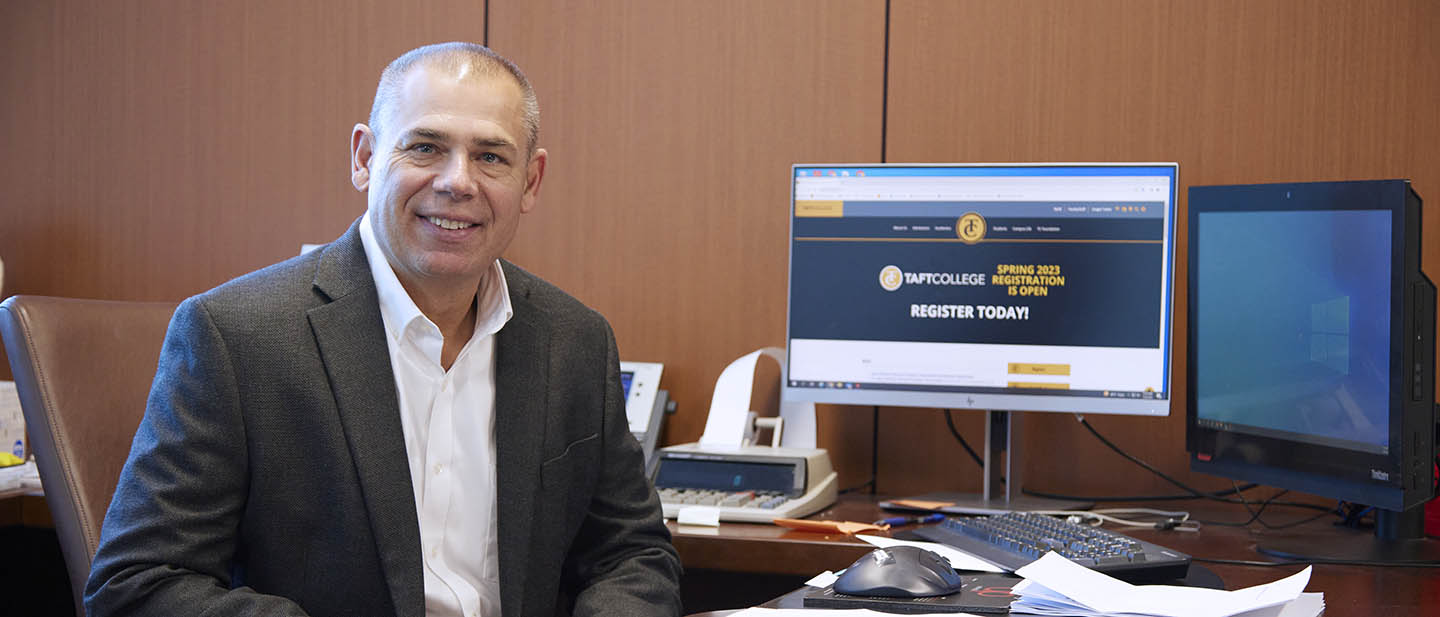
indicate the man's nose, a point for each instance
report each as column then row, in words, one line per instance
column 455, row 179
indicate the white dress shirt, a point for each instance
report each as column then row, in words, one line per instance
column 449, row 423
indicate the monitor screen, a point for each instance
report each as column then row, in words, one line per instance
column 1034, row 287
column 1296, row 326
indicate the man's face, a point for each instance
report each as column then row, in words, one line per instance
column 449, row 178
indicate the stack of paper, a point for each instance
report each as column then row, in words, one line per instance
column 1055, row 585
column 20, row 477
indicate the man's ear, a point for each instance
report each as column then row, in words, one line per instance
column 362, row 147
column 534, row 173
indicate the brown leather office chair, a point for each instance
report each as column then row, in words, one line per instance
column 83, row 369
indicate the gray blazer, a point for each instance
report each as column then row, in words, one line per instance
column 269, row 475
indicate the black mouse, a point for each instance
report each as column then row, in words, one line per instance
column 899, row 572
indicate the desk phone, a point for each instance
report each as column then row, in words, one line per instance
column 644, row 403
column 755, row 484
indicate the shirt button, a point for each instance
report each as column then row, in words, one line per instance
column 439, row 469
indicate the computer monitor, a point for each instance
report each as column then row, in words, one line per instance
column 1019, row 287
column 999, row 287
column 1311, row 351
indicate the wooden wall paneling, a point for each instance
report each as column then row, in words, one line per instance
column 160, row 147
column 156, row 148
column 671, row 128
column 1235, row 91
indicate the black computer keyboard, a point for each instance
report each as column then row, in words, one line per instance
column 1018, row 538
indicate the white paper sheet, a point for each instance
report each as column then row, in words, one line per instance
column 958, row 560
column 823, row 612
column 20, row 477
column 1054, row 582
column 799, row 417
column 729, row 417
column 1307, row 605
column 706, row 516
column 730, row 404
column 823, row 579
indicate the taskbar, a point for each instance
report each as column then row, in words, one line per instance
column 1048, row 389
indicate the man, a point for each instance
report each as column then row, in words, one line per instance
column 398, row 423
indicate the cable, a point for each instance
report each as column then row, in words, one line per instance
column 950, row 422
column 874, row 447
column 1137, row 461
column 1131, row 498
column 874, row 454
column 1176, row 520
column 1193, row 491
column 1318, row 562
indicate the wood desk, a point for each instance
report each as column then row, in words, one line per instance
column 753, row 554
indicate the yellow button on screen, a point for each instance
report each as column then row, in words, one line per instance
column 1025, row 368
column 834, row 209
column 1040, row 385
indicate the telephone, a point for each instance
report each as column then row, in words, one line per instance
column 645, row 404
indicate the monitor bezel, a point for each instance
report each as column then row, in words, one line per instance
column 1331, row 471
column 1046, row 402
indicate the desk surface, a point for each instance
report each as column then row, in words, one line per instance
column 1349, row 590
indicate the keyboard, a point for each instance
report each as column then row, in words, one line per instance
column 766, row 500
column 739, row 506
column 1015, row 539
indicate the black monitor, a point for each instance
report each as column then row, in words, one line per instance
column 1311, row 351
column 999, row 287
column 1006, row 287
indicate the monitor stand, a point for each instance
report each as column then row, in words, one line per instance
column 1399, row 538
column 1003, row 435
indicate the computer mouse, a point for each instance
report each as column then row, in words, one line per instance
column 899, row 572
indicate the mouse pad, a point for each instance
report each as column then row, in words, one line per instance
column 984, row 594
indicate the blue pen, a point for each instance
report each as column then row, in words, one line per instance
column 911, row 520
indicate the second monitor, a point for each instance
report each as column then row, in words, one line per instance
column 1025, row 287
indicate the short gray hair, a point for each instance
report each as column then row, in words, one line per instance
column 453, row 56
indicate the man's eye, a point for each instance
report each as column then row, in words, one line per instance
column 425, row 148
column 491, row 157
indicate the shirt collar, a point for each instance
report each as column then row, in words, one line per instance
column 399, row 311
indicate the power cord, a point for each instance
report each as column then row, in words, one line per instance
column 1137, row 461
column 1317, row 562
column 1236, row 489
column 1196, row 493
column 950, row 422
column 1179, row 521
column 1134, row 498
column 874, row 454
column 1166, row 519
column 1192, row 494
column 1255, row 513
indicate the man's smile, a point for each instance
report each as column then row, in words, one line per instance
column 451, row 224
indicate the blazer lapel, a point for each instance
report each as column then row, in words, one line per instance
column 350, row 335
column 521, row 368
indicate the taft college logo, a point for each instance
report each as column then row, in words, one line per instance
column 891, row 277
column 970, row 228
